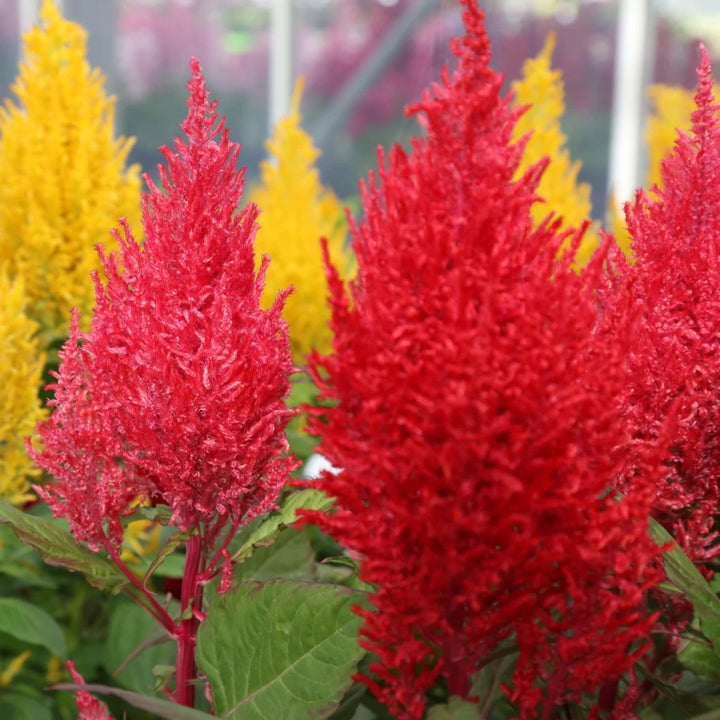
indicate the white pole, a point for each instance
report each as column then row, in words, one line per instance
column 281, row 59
column 628, row 97
column 28, row 12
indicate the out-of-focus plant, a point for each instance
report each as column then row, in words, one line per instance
column 295, row 212
column 21, row 367
column 541, row 91
column 65, row 179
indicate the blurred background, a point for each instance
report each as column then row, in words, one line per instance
column 365, row 60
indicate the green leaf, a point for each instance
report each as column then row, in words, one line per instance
column 280, row 650
column 23, row 707
column 131, row 629
column 456, row 709
column 497, row 669
column 267, row 531
column 161, row 513
column 58, row 547
column 349, row 704
column 701, row 660
column 688, row 579
column 30, row 624
column 290, row 557
column 175, row 541
column 161, row 708
column 26, row 575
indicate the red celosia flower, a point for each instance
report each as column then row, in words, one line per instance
column 473, row 423
column 673, row 289
column 90, row 707
column 177, row 392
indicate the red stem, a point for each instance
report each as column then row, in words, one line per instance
column 210, row 568
column 190, row 599
column 154, row 607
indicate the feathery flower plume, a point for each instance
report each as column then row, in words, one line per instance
column 89, row 707
column 471, row 421
column 295, row 212
column 672, row 289
column 542, row 92
column 21, row 366
column 177, row 393
column 65, row 181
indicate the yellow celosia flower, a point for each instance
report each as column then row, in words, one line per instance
column 21, row 366
column 296, row 211
column 64, row 179
column 542, row 89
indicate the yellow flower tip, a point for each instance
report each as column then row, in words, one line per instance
column 296, row 211
column 296, row 98
column 541, row 89
column 49, row 12
column 13, row 668
column 548, row 49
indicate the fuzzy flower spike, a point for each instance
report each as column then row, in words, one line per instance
column 471, row 422
column 674, row 358
column 177, row 392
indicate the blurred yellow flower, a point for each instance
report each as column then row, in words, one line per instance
column 672, row 109
column 21, row 366
column 295, row 212
column 64, row 177
column 141, row 538
column 542, row 89
column 55, row 672
column 13, row 668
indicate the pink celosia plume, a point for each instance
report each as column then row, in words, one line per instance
column 472, row 422
column 177, row 392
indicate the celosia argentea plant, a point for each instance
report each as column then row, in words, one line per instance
column 475, row 421
column 501, row 426
column 175, row 399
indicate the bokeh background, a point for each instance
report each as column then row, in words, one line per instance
column 364, row 61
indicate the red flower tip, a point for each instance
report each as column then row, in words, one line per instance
column 90, row 707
